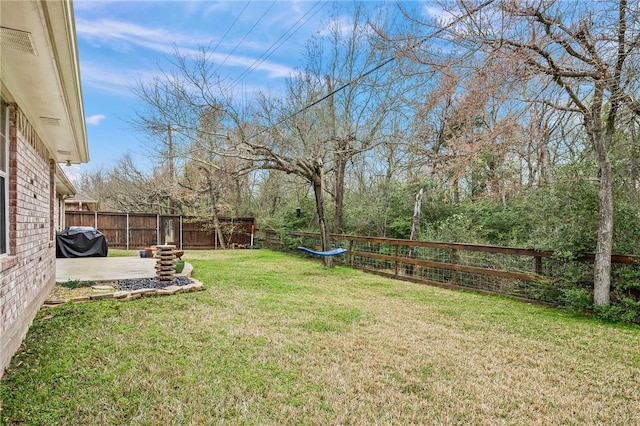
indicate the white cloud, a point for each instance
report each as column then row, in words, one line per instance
column 211, row 9
column 273, row 69
column 94, row 120
column 127, row 35
column 341, row 25
column 122, row 53
column 438, row 14
column 108, row 79
column 107, row 30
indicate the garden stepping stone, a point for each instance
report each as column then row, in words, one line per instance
column 102, row 288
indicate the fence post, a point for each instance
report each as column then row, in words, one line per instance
column 397, row 255
column 95, row 220
column 157, row 229
column 351, row 253
column 127, row 237
column 538, row 261
column 454, row 261
column 181, row 234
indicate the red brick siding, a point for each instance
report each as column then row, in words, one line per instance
column 28, row 271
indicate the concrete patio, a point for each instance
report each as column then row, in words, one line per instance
column 101, row 269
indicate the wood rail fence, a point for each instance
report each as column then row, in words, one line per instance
column 519, row 273
column 139, row 230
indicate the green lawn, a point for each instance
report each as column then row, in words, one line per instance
column 123, row 253
column 275, row 339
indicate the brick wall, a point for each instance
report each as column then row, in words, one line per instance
column 27, row 273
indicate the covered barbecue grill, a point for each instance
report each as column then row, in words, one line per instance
column 81, row 241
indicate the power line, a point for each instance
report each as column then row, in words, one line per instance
column 245, row 36
column 339, row 89
column 375, row 68
column 231, row 26
column 278, row 43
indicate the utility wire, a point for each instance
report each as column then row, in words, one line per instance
column 327, row 96
column 372, row 70
column 231, row 26
column 278, row 43
column 245, row 36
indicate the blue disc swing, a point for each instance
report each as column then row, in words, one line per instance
column 334, row 252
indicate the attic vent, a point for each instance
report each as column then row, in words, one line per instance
column 51, row 121
column 19, row 41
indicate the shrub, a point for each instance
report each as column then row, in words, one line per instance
column 577, row 299
column 73, row 284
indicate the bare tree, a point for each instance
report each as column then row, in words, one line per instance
column 292, row 141
column 328, row 115
column 127, row 188
column 464, row 127
column 587, row 50
column 363, row 98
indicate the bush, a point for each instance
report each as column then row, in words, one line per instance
column 577, row 299
column 609, row 313
column 73, row 284
column 625, row 296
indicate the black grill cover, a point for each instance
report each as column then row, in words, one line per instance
column 81, row 241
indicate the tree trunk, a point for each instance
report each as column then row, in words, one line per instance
column 417, row 212
column 415, row 227
column 456, row 191
column 213, row 198
column 218, row 231
column 340, row 172
column 602, row 263
column 340, row 161
column 325, row 239
column 634, row 163
column 601, row 141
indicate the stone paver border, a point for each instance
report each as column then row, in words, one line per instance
column 124, row 295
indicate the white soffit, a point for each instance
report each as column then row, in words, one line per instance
column 19, row 41
column 39, row 69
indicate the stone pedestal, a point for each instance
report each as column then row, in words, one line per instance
column 166, row 263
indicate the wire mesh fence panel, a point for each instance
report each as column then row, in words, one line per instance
column 376, row 260
column 507, row 262
column 313, row 243
column 479, row 282
column 433, row 274
column 435, row 254
column 514, row 272
column 524, row 289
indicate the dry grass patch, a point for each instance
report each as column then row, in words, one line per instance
column 280, row 340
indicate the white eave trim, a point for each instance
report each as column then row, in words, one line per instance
column 40, row 72
column 65, row 52
column 63, row 184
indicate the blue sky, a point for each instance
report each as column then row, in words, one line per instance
column 122, row 43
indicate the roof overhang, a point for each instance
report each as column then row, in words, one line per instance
column 64, row 186
column 82, row 199
column 40, row 71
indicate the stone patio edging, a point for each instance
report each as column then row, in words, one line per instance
column 124, row 295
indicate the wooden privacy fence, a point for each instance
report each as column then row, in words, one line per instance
column 515, row 272
column 139, row 230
